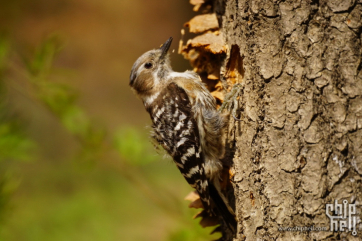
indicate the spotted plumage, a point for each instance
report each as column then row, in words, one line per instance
column 175, row 129
column 185, row 123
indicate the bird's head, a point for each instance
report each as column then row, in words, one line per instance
column 149, row 72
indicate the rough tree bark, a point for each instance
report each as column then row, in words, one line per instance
column 298, row 144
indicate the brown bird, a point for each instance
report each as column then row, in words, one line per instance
column 186, row 124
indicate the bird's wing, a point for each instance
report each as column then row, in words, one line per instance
column 176, row 130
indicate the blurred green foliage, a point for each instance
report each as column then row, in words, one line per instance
column 14, row 145
column 60, row 99
column 136, row 148
column 148, row 198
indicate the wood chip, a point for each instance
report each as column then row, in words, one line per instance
column 196, row 2
column 209, row 41
column 192, row 196
column 202, row 23
column 196, row 204
column 218, row 95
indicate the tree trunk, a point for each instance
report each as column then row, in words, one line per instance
column 298, row 143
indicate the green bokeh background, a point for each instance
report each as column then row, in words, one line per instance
column 76, row 162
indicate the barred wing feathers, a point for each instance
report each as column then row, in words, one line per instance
column 175, row 129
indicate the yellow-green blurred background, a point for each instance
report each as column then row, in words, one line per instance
column 75, row 159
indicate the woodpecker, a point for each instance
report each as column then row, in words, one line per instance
column 186, row 124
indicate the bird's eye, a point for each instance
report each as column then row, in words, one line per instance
column 148, row 65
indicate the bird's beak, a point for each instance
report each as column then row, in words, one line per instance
column 165, row 47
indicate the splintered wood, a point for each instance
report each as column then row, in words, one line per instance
column 211, row 42
column 199, row 4
column 206, row 52
column 202, row 23
column 206, row 220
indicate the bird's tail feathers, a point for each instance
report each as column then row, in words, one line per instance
column 222, row 205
